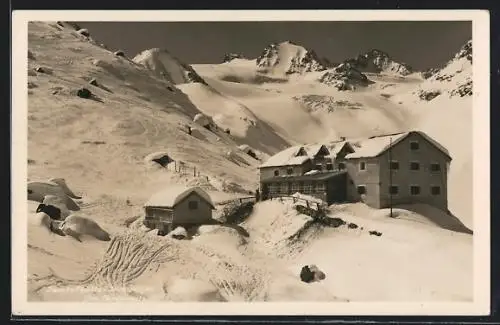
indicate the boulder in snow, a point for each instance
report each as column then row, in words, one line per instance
column 311, row 273
column 84, row 93
column 179, row 233
column 84, row 32
column 202, row 120
column 161, row 158
column 119, row 53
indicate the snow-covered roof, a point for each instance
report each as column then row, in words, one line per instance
column 335, row 147
column 375, row 146
column 173, row 194
column 313, row 149
column 287, row 157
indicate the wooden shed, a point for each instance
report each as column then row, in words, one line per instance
column 178, row 206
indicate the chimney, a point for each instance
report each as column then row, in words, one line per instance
column 342, row 138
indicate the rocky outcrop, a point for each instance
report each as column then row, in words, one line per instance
column 231, row 56
column 376, row 61
column 289, row 58
column 345, row 77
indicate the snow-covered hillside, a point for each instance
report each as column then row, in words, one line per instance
column 98, row 140
column 454, row 79
column 162, row 63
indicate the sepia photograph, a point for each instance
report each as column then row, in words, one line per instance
column 257, row 160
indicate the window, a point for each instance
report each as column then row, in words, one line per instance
column 295, row 187
column 319, row 167
column 435, row 190
column 414, row 165
column 289, row 171
column 307, row 188
column 414, row 145
column 273, row 188
column 193, row 205
column 341, row 166
column 284, row 188
column 276, row 172
column 393, row 190
column 415, row 190
column 394, row 165
column 361, row 189
column 329, row 166
column 362, row 165
column 435, row 167
column 320, row 187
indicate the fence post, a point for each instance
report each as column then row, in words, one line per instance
column 175, row 166
column 307, row 203
column 194, row 174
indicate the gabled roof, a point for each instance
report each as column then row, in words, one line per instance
column 377, row 145
column 174, row 194
column 295, row 156
column 287, row 157
column 313, row 149
column 336, row 147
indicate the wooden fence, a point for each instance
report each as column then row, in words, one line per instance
column 309, row 203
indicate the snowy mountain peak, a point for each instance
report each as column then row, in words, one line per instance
column 165, row 65
column 377, row 61
column 454, row 79
column 288, row 58
column 465, row 51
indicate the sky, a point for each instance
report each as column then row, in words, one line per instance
column 421, row 44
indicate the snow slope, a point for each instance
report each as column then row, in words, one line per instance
column 164, row 64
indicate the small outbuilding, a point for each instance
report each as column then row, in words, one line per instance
column 178, row 206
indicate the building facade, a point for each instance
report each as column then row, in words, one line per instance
column 381, row 171
column 309, row 170
column 412, row 169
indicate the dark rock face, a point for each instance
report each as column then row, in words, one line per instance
column 352, row 226
column 345, row 77
column 465, row 51
column 375, row 233
column 463, row 90
column 377, row 61
column 429, row 73
column 429, row 94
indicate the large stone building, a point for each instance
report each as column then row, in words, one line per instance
column 380, row 171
